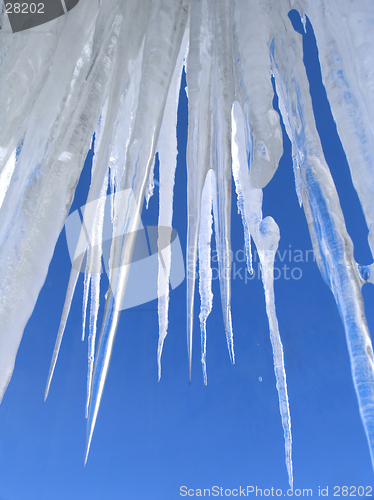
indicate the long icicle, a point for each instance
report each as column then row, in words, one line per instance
column 331, row 243
column 120, row 82
column 221, row 102
column 199, row 74
column 347, row 72
column 265, row 233
column 170, row 19
column 167, row 151
column 98, row 175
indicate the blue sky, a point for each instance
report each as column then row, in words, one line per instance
column 153, row 437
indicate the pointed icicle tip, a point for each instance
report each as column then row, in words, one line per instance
column 46, row 392
column 88, row 445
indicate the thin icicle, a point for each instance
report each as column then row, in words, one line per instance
column 239, row 161
column 199, row 63
column 150, row 185
column 220, row 156
column 167, row 153
column 265, row 233
column 122, row 81
column 205, row 270
column 86, row 293
column 82, row 244
column 93, row 270
column 168, row 18
column 100, row 127
column 266, row 239
column 124, row 125
column 65, row 313
column 94, row 311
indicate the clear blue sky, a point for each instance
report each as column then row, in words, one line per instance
column 153, row 437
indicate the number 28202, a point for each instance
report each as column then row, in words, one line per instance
column 24, row 8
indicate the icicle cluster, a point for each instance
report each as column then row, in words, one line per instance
column 114, row 68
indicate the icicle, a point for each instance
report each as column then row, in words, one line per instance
column 37, row 200
column 266, row 240
column 125, row 123
column 95, row 304
column 265, row 233
column 122, row 80
column 167, row 153
column 89, row 238
column 253, row 31
column 69, row 297
column 123, row 60
column 205, row 270
column 93, row 270
column 150, row 185
column 199, row 63
column 344, row 33
column 169, row 19
column 93, row 193
column 244, row 191
column 86, row 294
column 332, row 245
column 221, row 102
column 26, row 63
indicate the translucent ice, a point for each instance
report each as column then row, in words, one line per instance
column 114, row 68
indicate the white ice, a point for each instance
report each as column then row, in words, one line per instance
column 122, row 61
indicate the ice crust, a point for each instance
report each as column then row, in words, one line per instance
column 114, row 68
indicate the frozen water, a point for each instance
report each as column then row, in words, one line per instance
column 114, row 68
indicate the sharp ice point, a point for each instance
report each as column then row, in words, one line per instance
column 114, row 77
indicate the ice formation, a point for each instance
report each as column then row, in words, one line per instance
column 113, row 67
